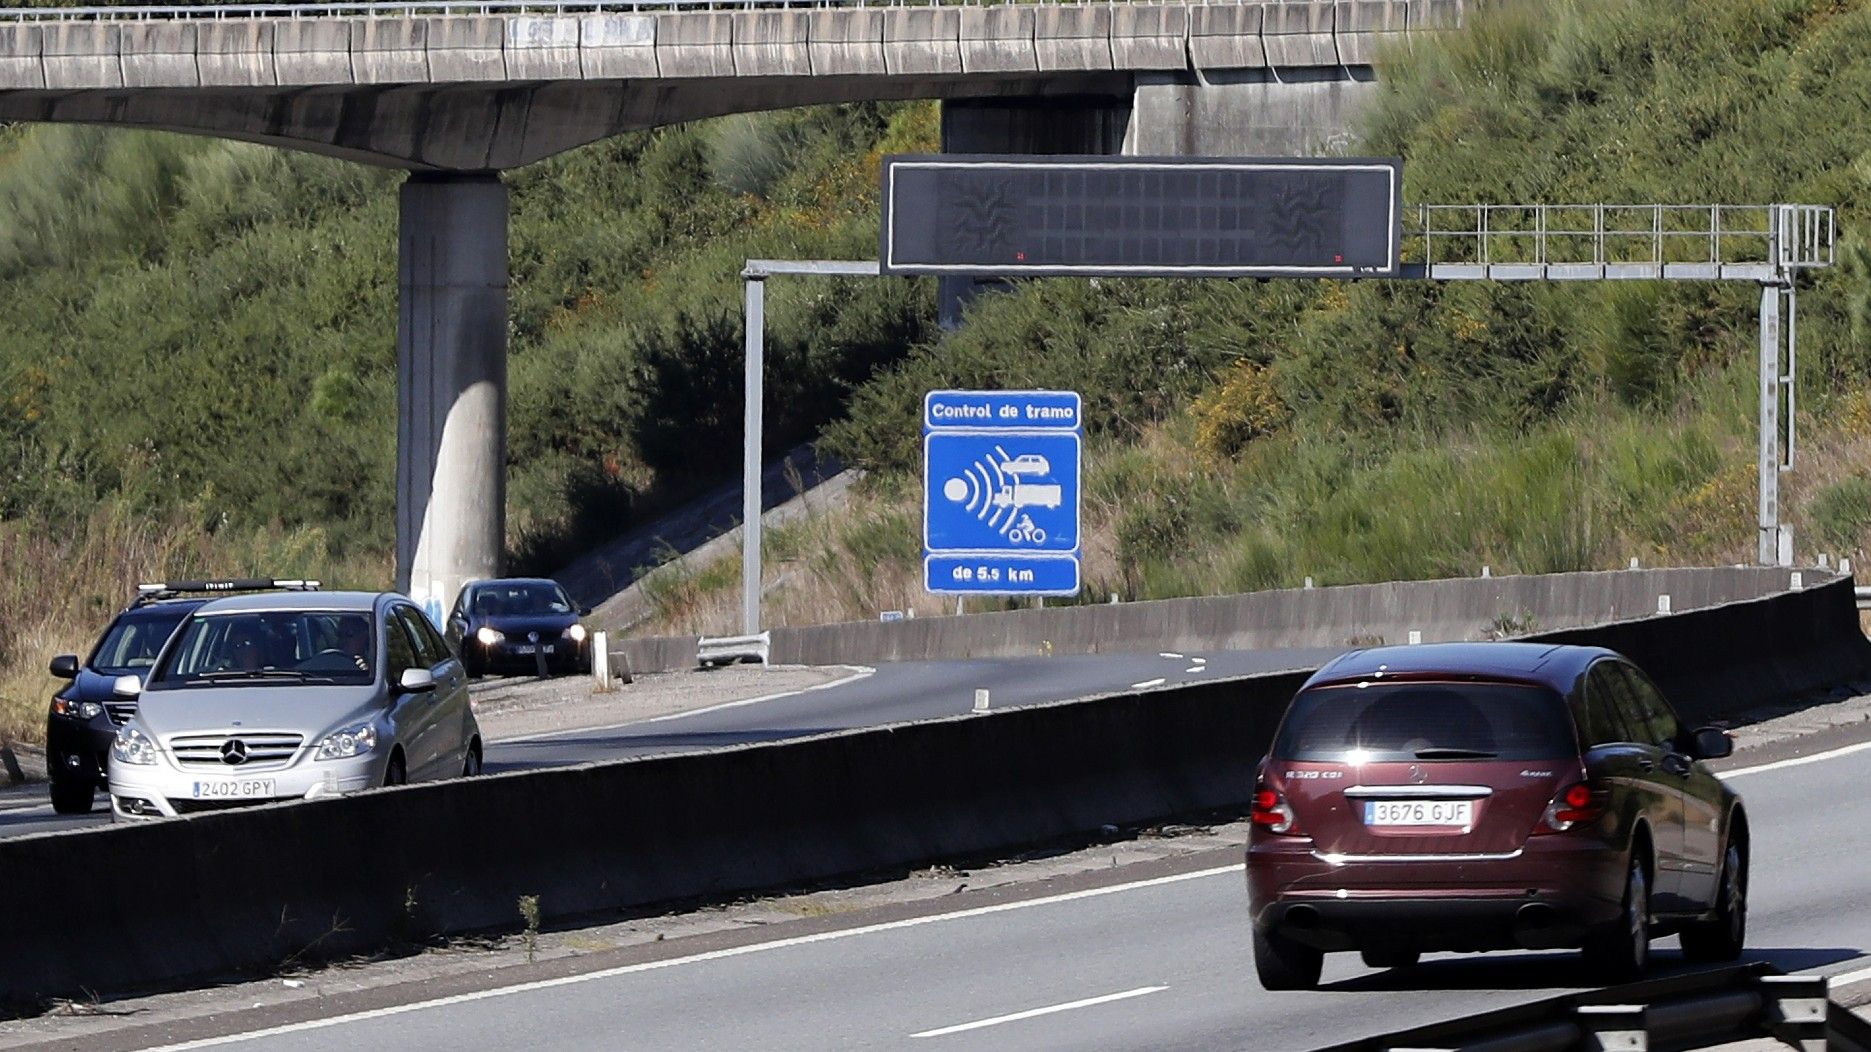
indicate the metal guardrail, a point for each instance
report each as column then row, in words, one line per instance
column 727, row 650
column 1600, row 241
column 220, row 12
column 1701, row 1010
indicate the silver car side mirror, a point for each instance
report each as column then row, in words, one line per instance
column 416, row 681
column 127, row 686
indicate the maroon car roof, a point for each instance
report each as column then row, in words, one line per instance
column 1549, row 664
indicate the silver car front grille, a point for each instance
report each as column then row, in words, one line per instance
column 229, row 752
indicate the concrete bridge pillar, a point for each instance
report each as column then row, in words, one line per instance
column 1082, row 124
column 451, row 357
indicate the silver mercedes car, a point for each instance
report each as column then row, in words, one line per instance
column 288, row 696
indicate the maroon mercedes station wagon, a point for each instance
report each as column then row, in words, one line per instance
column 1484, row 796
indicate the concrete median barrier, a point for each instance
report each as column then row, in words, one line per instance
column 1344, row 616
column 244, row 891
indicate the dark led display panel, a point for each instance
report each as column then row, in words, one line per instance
column 1036, row 216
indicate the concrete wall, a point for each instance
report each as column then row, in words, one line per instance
column 1345, row 616
column 231, row 891
column 1290, row 113
column 468, row 92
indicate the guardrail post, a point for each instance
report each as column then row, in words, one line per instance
column 1613, row 1028
column 1795, row 1011
column 600, row 661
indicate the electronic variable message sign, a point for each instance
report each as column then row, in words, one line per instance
column 1063, row 216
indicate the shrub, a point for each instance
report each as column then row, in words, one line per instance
column 1840, row 514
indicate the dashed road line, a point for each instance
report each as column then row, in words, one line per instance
column 1048, row 1010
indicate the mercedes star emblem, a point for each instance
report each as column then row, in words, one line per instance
column 234, row 752
column 1417, row 775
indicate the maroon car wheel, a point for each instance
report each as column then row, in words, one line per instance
column 1723, row 936
column 1619, row 951
column 1283, row 964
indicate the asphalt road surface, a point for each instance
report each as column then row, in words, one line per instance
column 894, row 693
column 1156, row 963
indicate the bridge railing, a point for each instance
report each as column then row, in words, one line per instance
column 214, row 12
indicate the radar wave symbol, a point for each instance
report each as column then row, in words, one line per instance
column 974, row 489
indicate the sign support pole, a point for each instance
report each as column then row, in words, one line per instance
column 755, row 276
column 750, row 455
column 1769, row 494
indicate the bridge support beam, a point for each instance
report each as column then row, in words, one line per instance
column 451, row 357
column 1298, row 112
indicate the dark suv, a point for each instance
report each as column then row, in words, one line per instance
column 1483, row 796
column 85, row 714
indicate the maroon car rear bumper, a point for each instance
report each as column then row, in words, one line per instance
column 1546, row 894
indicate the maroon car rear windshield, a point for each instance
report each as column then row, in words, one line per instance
column 1374, row 722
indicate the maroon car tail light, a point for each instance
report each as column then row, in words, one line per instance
column 1272, row 813
column 1576, row 803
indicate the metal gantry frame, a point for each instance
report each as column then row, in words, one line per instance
column 1768, row 245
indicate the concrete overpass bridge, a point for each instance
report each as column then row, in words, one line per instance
column 456, row 92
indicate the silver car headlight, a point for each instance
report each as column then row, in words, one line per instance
column 133, row 746
column 488, row 636
column 349, row 742
column 576, row 633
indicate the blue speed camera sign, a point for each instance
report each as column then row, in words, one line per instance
column 1001, row 492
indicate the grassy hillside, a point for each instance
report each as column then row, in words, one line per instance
column 1248, row 435
column 197, row 348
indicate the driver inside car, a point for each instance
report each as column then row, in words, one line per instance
column 354, row 639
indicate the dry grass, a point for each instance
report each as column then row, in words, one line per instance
column 59, row 588
column 1652, row 493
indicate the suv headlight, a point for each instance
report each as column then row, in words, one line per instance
column 77, row 710
column 349, row 742
column 133, row 746
column 488, row 636
column 576, row 633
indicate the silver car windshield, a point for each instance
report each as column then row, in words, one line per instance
column 271, row 647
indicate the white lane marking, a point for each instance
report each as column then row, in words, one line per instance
column 712, row 955
column 1848, row 978
column 1169, row 654
column 1195, row 668
column 1199, row 659
column 858, row 672
column 1148, row 683
column 1797, row 761
column 1049, row 1010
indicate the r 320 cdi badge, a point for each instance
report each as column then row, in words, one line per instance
column 1486, row 796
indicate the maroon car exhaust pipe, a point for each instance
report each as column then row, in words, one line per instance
column 1304, row 918
column 1535, row 916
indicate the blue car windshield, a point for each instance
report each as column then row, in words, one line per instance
column 271, row 647
column 132, row 643
column 510, row 600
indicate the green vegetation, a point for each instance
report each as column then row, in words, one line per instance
column 200, row 341
column 1248, row 435
column 200, row 336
